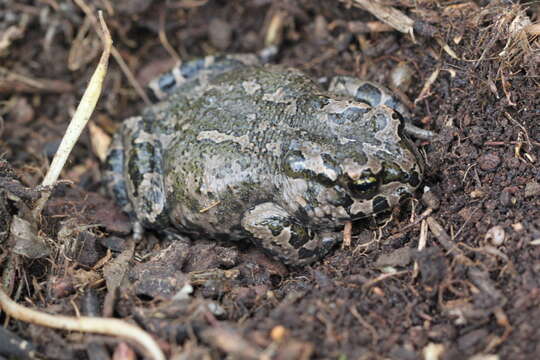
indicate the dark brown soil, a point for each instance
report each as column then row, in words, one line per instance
column 473, row 288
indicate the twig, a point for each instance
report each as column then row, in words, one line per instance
column 505, row 143
column 426, row 89
column 275, row 28
column 164, row 40
column 388, row 15
column 347, row 234
column 105, row 326
column 382, row 277
column 443, row 237
column 422, row 241
column 366, row 324
column 13, row 82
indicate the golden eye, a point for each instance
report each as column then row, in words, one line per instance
column 365, row 186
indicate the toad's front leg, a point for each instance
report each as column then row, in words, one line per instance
column 282, row 235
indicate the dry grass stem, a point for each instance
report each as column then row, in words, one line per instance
column 79, row 120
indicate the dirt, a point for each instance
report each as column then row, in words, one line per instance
column 455, row 273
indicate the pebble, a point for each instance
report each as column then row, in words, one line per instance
column 220, row 33
column 22, row 112
column 506, row 198
column 512, row 162
column 320, row 31
column 489, row 161
column 496, row 235
column 473, row 341
column 398, row 257
column 532, row 188
column 278, row 333
column 431, row 200
column 442, row 332
column 401, row 76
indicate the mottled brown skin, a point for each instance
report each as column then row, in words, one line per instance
column 244, row 152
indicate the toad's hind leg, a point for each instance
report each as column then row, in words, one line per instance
column 136, row 181
column 113, row 175
column 209, row 66
column 281, row 235
column 374, row 95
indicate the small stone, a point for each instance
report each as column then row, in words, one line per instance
column 477, row 193
column 532, row 189
column 473, row 341
column 489, row 162
column 399, row 257
column 250, row 40
column 401, row 76
column 496, row 235
column 431, row 200
column 378, row 291
column 124, row 351
column 60, row 287
column 320, row 31
column 490, row 204
column 220, row 33
column 278, row 333
column 506, row 198
column 518, row 227
column 441, row 332
column 433, row 351
column 512, row 162
column 21, row 112
column 114, row 243
column 465, row 213
column 418, row 336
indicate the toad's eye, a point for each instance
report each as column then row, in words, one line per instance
column 364, row 187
